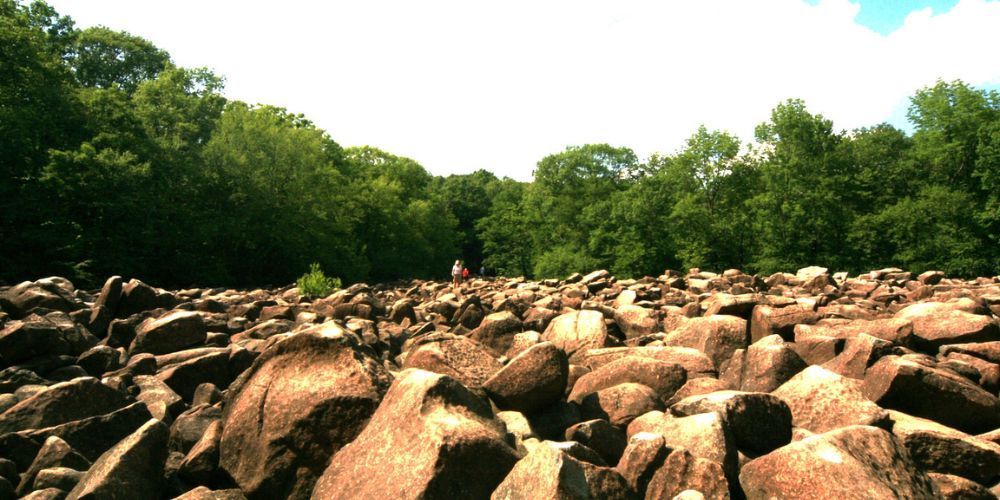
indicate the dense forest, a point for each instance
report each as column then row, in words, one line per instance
column 113, row 160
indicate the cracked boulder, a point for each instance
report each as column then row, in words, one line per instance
column 577, row 332
column 61, row 403
column 822, row 400
column 301, row 401
column 851, row 462
column 904, row 384
column 551, row 473
column 430, row 438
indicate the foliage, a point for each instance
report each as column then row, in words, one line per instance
column 315, row 283
column 103, row 58
column 115, row 161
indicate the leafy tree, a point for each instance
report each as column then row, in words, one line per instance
column 403, row 228
column 641, row 239
column 569, row 195
column 948, row 118
column 881, row 160
column 102, row 58
column 936, row 229
column 38, row 111
column 712, row 225
column 280, row 194
column 987, row 172
column 469, row 198
column 799, row 213
column 504, row 232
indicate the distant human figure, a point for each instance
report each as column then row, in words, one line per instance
column 465, row 273
column 482, row 271
column 456, row 274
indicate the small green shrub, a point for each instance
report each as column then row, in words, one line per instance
column 315, row 283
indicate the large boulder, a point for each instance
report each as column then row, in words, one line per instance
column 184, row 377
column 430, row 438
column 705, row 435
column 577, row 332
column 899, row 331
column 694, row 362
column 989, row 351
column 918, row 389
column 136, row 297
column 731, row 305
column 301, row 401
column 191, row 426
column 23, row 340
column 821, row 400
column 859, row 353
column 54, row 453
column 533, row 379
column 497, row 331
column 940, row 323
column 934, row 447
column 61, row 403
column 636, row 321
column 202, row 460
column 461, row 358
column 663, row 377
column 951, row 487
column 133, row 468
column 161, row 401
column 92, row 436
column 110, row 295
column 643, row 455
column 760, row 422
column 601, row 436
column 763, row 366
column 48, row 294
column 620, row 404
column 717, row 336
column 851, row 462
column 550, row 473
column 682, row 471
column 171, row 332
column 767, row 320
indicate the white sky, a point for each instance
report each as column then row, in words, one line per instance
column 462, row 85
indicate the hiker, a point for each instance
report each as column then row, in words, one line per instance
column 465, row 273
column 482, row 271
column 456, row 274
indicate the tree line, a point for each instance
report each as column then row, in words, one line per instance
column 113, row 160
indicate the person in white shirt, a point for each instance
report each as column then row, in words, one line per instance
column 456, row 274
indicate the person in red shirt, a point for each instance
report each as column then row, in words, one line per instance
column 465, row 273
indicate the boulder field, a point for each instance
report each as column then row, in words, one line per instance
column 686, row 385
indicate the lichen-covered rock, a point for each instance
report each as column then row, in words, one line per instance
column 133, row 468
column 821, row 400
column 850, row 462
column 577, row 332
column 430, row 438
column 663, row 377
column 172, row 332
column 300, row 402
column 925, row 391
column 63, row 402
column 760, row 422
column 550, row 473
column 533, row 379
column 461, row 358
column 682, row 471
column 934, row 447
column 717, row 336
